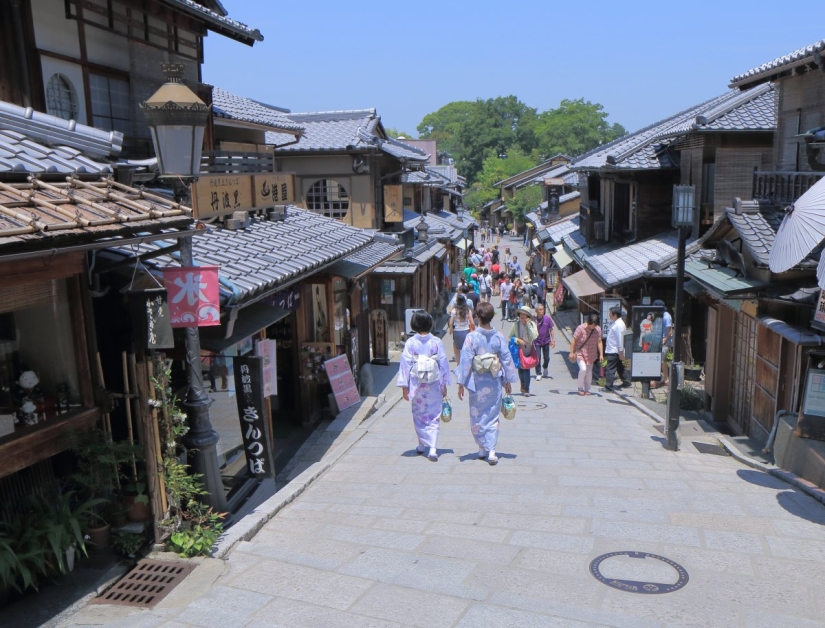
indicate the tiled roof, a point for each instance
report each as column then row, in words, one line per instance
column 769, row 70
column 448, row 172
column 231, row 107
column 533, row 217
column 536, row 174
column 345, row 131
column 20, row 155
column 758, row 231
column 217, row 22
column 267, row 254
column 40, row 215
column 650, row 148
column 457, row 222
column 626, row 263
column 373, row 254
column 721, row 279
column 559, row 171
column 438, row 227
column 57, row 132
column 562, row 227
column 422, row 253
column 397, row 267
column 571, row 196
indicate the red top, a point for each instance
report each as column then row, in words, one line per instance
column 495, row 268
column 587, row 343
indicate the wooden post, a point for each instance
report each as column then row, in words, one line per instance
column 128, row 404
column 154, row 460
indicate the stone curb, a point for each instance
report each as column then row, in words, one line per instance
column 249, row 526
column 649, row 413
column 786, row 476
column 118, row 572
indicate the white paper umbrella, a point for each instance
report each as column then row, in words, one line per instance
column 801, row 231
column 820, row 270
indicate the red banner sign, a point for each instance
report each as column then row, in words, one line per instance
column 194, row 297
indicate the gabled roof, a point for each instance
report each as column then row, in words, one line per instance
column 562, row 227
column 456, row 221
column 257, row 260
column 757, row 227
column 809, row 55
column 20, row 156
column 52, row 131
column 438, row 227
column 218, row 22
column 651, row 147
column 364, row 259
column 345, row 131
column 447, row 172
column 228, row 106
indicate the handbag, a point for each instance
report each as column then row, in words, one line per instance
column 446, row 410
column 528, row 361
column 514, row 352
column 508, row 407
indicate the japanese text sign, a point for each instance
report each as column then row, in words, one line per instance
column 342, row 382
column 194, row 297
column 819, row 313
column 220, row 195
column 393, row 199
column 288, row 299
column 272, row 189
column 254, row 430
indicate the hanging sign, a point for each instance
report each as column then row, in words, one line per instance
column 393, row 200
column 342, row 382
column 819, row 313
column 273, row 188
column 151, row 319
column 266, row 349
column 249, row 374
column 604, row 308
column 194, row 297
column 288, row 299
column 222, row 195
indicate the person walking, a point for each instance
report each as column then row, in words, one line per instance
column 546, row 338
column 516, row 297
column 614, row 351
column 423, row 376
column 504, row 290
column 542, row 291
column 485, row 285
column 514, row 267
column 484, row 369
column 667, row 340
column 585, row 348
column 460, row 323
column 525, row 332
column 530, row 292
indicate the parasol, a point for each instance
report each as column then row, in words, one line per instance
column 820, row 270
column 801, row 231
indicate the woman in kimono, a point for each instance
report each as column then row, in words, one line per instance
column 423, row 378
column 485, row 368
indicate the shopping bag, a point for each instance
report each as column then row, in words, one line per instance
column 508, row 407
column 514, row 352
column 446, row 410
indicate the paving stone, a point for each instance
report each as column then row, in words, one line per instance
column 734, row 541
column 681, row 535
column 476, row 532
column 379, row 538
column 489, row 615
column 410, row 607
column 285, row 613
column 469, row 550
column 546, row 540
column 222, row 606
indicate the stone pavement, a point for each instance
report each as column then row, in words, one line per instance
column 385, row 538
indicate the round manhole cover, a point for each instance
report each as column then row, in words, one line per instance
column 530, row 405
column 639, row 572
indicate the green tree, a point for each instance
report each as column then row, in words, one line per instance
column 394, row 133
column 496, row 169
column 525, row 200
column 443, row 125
column 574, row 127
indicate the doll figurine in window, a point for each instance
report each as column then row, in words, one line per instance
column 27, row 391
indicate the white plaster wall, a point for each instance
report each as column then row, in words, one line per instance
column 108, row 49
column 52, row 31
column 74, row 73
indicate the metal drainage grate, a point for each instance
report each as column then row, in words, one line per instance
column 707, row 448
column 147, row 584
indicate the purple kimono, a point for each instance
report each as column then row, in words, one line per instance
column 425, row 398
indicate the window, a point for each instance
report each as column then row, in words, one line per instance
column 110, row 103
column 61, row 99
column 328, row 197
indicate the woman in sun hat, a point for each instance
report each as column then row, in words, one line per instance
column 525, row 333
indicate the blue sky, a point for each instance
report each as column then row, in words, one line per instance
column 641, row 60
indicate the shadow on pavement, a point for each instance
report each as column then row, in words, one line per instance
column 474, row 456
column 795, row 503
column 662, row 441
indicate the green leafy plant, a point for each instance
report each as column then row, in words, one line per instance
column 172, row 418
column 690, row 399
column 201, row 529
column 127, row 544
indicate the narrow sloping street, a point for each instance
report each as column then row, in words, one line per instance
column 386, row 538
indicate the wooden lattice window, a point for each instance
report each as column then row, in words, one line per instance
column 61, row 98
column 111, row 105
column 328, row 197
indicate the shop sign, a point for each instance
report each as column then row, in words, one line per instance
column 222, row 195
column 266, row 349
column 819, row 314
column 273, row 188
column 393, row 200
column 604, row 308
column 249, row 374
column 342, row 382
column 646, row 359
column 151, row 319
column 194, row 297
column 289, row 299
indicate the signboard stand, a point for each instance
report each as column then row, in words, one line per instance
column 249, row 383
column 646, row 357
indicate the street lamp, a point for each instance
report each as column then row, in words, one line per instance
column 684, row 202
column 422, row 229
column 177, row 119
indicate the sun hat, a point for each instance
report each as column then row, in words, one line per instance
column 526, row 310
column 526, row 278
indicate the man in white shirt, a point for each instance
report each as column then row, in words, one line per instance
column 614, row 351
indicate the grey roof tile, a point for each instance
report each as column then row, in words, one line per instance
column 788, row 61
column 560, row 228
column 25, row 124
column 651, row 147
column 26, row 156
column 299, row 245
column 467, row 222
column 438, row 227
column 217, row 22
column 758, row 231
column 626, row 263
column 229, row 106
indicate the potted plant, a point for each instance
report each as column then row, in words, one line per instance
column 127, row 544
column 99, row 477
column 136, row 501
